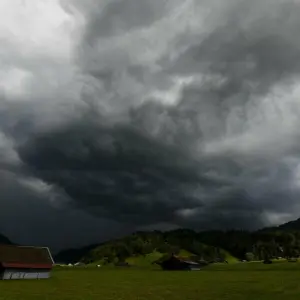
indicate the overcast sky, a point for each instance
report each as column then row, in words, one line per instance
column 117, row 115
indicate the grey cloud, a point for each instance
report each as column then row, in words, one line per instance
column 251, row 51
column 121, row 173
column 117, row 169
column 180, row 114
column 117, row 17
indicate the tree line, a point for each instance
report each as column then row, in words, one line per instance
column 209, row 245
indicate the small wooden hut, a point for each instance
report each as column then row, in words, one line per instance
column 179, row 263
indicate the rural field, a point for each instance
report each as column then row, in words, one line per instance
column 233, row 281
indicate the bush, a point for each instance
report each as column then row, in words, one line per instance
column 249, row 256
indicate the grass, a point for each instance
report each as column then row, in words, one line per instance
column 144, row 261
column 148, row 259
column 231, row 259
column 233, row 281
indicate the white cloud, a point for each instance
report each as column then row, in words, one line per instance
column 277, row 218
column 38, row 49
column 36, row 26
column 267, row 126
column 8, row 155
column 36, row 185
column 53, row 195
column 14, row 82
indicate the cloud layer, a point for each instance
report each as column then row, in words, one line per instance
column 183, row 113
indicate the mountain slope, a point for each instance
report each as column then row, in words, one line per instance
column 140, row 247
column 292, row 225
column 5, row 240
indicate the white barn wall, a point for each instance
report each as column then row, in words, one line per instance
column 44, row 275
column 21, row 274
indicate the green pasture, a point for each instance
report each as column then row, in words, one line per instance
column 233, row 281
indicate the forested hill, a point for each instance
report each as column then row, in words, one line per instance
column 4, row 240
column 293, row 225
column 278, row 241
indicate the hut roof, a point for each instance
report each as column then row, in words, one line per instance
column 12, row 256
column 186, row 260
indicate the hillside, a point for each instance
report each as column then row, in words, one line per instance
column 143, row 247
column 5, row 240
column 292, row 225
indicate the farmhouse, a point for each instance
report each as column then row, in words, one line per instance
column 179, row 263
column 22, row 262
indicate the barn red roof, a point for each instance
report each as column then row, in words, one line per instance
column 25, row 257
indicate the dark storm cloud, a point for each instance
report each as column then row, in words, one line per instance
column 181, row 113
column 144, row 170
column 27, row 216
column 118, row 169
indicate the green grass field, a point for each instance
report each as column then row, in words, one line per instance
column 234, row 281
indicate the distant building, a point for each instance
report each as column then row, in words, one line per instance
column 180, row 263
column 22, row 262
column 122, row 264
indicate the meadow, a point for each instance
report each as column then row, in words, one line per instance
column 232, row 282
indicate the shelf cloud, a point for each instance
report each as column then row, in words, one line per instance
column 140, row 113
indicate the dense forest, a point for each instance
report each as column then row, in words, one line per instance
column 4, row 240
column 282, row 241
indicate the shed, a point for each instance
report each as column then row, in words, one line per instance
column 122, row 264
column 180, row 263
column 25, row 262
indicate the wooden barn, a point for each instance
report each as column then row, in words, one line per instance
column 25, row 262
column 180, row 263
